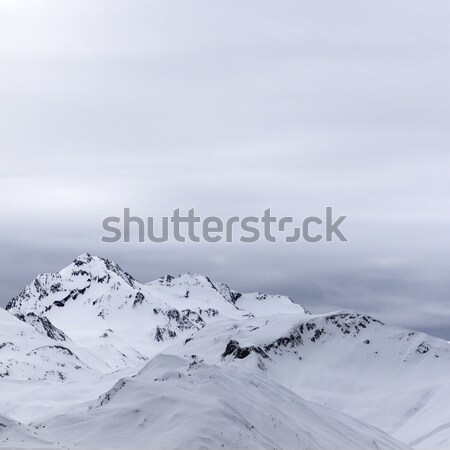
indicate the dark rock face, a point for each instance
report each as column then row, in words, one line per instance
column 351, row 323
column 179, row 321
column 233, row 348
column 138, row 300
column 228, row 294
column 166, row 280
column 163, row 333
column 292, row 340
column 423, row 348
column 106, row 398
column 73, row 294
column 43, row 326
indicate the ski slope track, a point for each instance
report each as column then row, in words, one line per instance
column 91, row 358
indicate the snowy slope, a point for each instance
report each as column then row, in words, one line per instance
column 14, row 435
column 180, row 403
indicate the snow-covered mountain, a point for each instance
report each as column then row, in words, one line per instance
column 188, row 362
column 392, row 378
column 94, row 303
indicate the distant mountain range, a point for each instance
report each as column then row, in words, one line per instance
column 91, row 358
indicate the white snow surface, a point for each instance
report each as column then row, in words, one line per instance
column 14, row 435
column 91, row 358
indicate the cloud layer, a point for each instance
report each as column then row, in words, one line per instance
column 231, row 109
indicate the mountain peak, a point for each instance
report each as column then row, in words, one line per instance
column 95, row 268
column 84, row 258
column 48, row 290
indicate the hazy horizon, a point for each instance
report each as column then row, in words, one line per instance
column 294, row 107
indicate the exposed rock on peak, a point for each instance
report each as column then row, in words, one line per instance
column 43, row 326
column 96, row 268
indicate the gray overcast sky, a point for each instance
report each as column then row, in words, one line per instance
column 230, row 108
